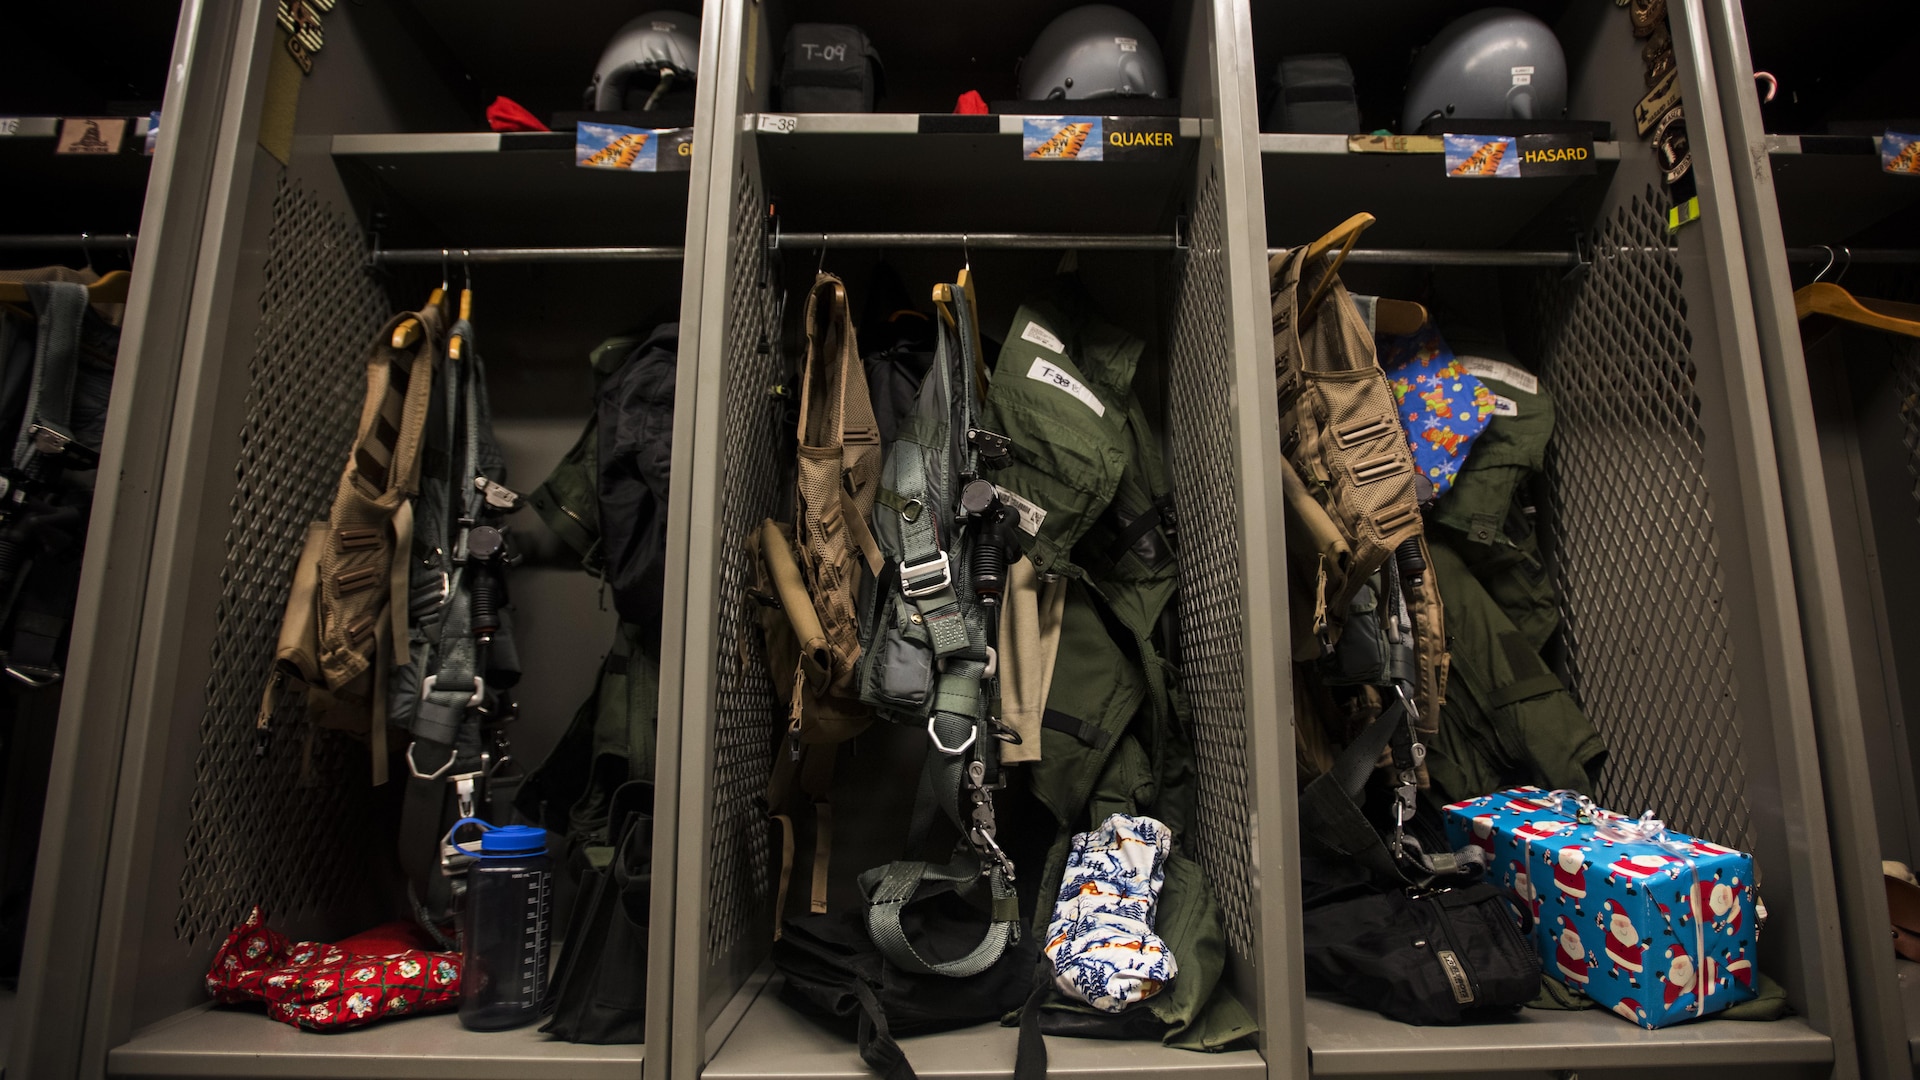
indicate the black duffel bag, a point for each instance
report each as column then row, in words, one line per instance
column 829, row 68
column 599, row 989
column 1437, row 956
column 833, row 969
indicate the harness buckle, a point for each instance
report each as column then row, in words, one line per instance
column 479, row 693
column 413, row 767
column 939, row 564
column 955, row 751
column 498, row 495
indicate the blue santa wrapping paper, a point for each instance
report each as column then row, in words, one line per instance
column 1653, row 924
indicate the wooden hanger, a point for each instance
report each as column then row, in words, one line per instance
column 110, row 289
column 943, row 299
column 1344, row 236
column 1398, row 317
column 407, row 334
column 466, row 312
column 1826, row 298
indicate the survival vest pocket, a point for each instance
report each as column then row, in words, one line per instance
column 896, row 670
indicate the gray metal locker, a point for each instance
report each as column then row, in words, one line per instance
column 303, row 210
column 1668, row 545
column 1173, row 242
column 1817, row 206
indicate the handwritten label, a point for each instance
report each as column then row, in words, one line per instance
column 778, row 125
column 1060, row 380
column 1500, row 371
column 1505, row 406
column 1042, row 337
column 9, row 125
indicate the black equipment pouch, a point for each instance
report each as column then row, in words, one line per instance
column 1313, row 94
column 1448, row 956
column 599, row 990
column 829, row 69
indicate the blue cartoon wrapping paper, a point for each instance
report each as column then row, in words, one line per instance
column 1651, row 923
column 1442, row 406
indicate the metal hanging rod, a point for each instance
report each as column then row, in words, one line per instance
column 437, row 256
column 1172, row 241
column 1478, row 257
column 83, row 241
column 1841, row 256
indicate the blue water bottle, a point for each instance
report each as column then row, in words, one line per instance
column 504, row 933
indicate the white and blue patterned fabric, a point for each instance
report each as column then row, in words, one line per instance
column 1101, row 938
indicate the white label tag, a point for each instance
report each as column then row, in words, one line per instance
column 9, row 125
column 1500, row 371
column 1523, row 69
column 1053, row 376
column 664, row 27
column 1504, row 406
column 1522, row 80
column 1031, row 514
column 1042, row 337
column 778, row 125
column 1127, row 44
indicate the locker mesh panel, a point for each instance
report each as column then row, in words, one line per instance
column 744, row 710
column 1631, row 521
column 1906, row 376
column 258, row 834
column 1212, row 645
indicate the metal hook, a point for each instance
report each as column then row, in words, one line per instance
column 822, row 268
column 466, row 264
column 1773, row 84
column 1830, row 258
column 86, row 250
column 444, row 256
column 966, row 253
column 1846, row 263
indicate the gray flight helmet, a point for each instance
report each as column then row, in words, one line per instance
column 1495, row 64
column 654, row 52
column 1095, row 51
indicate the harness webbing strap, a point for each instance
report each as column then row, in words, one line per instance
column 62, row 309
column 889, row 888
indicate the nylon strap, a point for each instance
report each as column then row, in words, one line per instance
column 889, row 888
column 62, row 308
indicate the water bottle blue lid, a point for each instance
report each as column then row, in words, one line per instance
column 513, row 840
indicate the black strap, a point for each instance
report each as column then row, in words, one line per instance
column 1076, row 728
column 1030, row 1059
column 877, row 1047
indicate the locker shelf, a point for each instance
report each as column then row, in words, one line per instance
column 210, row 1041
column 907, row 171
column 474, row 189
column 1345, row 1040
column 1830, row 188
column 1313, row 182
column 774, row 1042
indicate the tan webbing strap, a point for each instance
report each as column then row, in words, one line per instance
column 862, row 533
column 398, row 585
column 786, row 872
column 822, row 853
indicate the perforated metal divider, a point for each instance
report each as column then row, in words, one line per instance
column 1631, row 524
column 739, row 913
column 281, row 829
column 1213, row 647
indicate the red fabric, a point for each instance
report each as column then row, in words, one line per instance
column 505, row 114
column 322, row 987
column 970, row 104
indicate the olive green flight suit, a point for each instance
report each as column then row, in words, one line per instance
column 1113, row 738
column 1507, row 718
